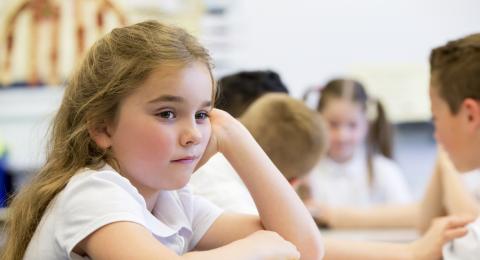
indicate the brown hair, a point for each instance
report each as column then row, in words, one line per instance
column 380, row 135
column 114, row 67
column 455, row 70
column 291, row 134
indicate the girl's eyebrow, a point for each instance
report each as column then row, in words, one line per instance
column 167, row 98
column 176, row 99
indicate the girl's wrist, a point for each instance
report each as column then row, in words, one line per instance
column 413, row 251
column 233, row 135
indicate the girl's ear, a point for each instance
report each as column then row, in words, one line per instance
column 472, row 110
column 101, row 135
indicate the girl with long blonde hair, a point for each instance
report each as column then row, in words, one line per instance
column 136, row 120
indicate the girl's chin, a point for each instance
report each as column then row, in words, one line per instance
column 341, row 158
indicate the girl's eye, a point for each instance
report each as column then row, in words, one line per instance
column 166, row 115
column 201, row 115
column 334, row 125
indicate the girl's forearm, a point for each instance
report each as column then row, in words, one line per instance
column 359, row 250
column 394, row 216
column 279, row 207
column 233, row 251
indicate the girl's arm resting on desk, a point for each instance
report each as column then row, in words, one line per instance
column 128, row 240
column 388, row 216
column 280, row 209
column 427, row 247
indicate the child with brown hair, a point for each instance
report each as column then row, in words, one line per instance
column 455, row 104
column 358, row 170
column 292, row 135
column 136, row 120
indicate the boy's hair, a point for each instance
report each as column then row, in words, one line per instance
column 239, row 90
column 455, row 70
column 113, row 68
column 289, row 132
column 380, row 131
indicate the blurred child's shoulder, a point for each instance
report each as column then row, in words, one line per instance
column 384, row 162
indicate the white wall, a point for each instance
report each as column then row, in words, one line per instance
column 309, row 42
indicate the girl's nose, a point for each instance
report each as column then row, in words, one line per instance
column 342, row 134
column 190, row 135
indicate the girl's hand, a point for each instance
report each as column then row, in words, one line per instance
column 441, row 231
column 268, row 245
column 225, row 128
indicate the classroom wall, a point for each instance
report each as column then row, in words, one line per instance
column 387, row 43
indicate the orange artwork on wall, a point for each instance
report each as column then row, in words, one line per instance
column 49, row 13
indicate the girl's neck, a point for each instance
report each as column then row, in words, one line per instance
column 150, row 196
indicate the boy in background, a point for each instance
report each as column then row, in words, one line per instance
column 455, row 104
column 239, row 90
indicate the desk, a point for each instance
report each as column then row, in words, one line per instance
column 379, row 235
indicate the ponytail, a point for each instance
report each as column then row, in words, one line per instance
column 379, row 140
column 380, row 134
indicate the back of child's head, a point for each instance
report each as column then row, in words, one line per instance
column 239, row 90
column 455, row 69
column 113, row 68
column 290, row 133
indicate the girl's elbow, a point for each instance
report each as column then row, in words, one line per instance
column 315, row 250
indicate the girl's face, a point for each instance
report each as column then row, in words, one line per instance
column 347, row 124
column 162, row 128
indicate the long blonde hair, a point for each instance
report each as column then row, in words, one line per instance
column 111, row 70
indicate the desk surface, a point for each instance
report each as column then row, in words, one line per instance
column 385, row 235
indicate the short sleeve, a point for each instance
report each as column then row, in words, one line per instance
column 92, row 202
column 465, row 248
column 202, row 214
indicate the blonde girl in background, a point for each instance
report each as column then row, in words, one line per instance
column 135, row 121
column 358, row 170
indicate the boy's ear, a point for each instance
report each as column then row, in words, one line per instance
column 472, row 109
column 101, row 135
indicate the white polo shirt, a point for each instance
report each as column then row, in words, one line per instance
column 347, row 184
column 465, row 248
column 218, row 182
column 93, row 199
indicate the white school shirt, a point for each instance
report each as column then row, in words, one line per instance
column 467, row 247
column 471, row 180
column 218, row 182
column 93, row 199
column 346, row 184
